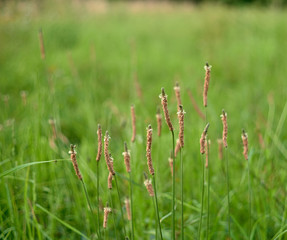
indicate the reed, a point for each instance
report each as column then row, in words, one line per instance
column 244, row 138
column 180, row 115
column 127, row 158
column 151, row 171
column 133, row 115
column 224, row 140
column 99, row 154
column 163, row 98
column 202, row 151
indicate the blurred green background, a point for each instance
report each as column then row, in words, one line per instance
column 101, row 57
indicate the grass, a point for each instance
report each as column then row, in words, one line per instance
column 87, row 78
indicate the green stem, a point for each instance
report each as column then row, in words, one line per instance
column 122, row 214
column 132, row 211
column 153, row 200
column 249, row 200
column 156, row 205
column 202, row 198
column 114, row 220
column 182, row 220
column 98, row 200
column 173, row 189
column 87, row 196
column 208, row 188
column 227, row 182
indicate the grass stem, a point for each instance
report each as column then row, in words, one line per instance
column 98, row 201
column 249, row 200
column 120, row 202
column 182, row 219
column 227, row 183
column 114, row 219
column 132, row 209
column 156, row 206
column 202, row 198
column 173, row 189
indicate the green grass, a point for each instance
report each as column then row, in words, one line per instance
column 81, row 88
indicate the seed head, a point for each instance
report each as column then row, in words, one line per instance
column 127, row 158
column 206, row 83
column 244, row 137
column 203, row 139
column 225, row 128
column 163, row 97
column 99, row 132
column 148, row 150
column 180, row 115
column 73, row 153
column 107, row 211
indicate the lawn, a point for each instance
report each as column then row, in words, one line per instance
column 102, row 58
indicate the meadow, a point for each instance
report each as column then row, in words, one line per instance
column 102, row 58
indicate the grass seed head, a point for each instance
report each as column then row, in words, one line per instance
column 107, row 211
column 99, row 133
column 163, row 97
column 128, row 208
column 207, row 68
column 225, row 128
column 180, row 115
column 127, row 158
column 244, row 137
column 203, row 139
column 107, row 155
column 148, row 150
column 73, row 153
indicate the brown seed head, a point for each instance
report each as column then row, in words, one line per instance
column 73, row 153
column 133, row 123
column 107, row 155
column 41, row 40
column 107, row 211
column 128, row 208
column 149, row 187
column 177, row 94
column 159, row 121
column 244, row 137
column 180, row 115
column 163, row 97
column 99, row 132
column 177, row 147
column 206, row 83
column 127, row 158
column 225, row 128
column 148, row 149
column 220, row 148
column 203, row 138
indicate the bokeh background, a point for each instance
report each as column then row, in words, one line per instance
column 103, row 56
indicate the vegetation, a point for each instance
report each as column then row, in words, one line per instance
column 101, row 59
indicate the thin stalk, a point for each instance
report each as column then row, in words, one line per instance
column 208, row 188
column 114, row 220
column 202, row 198
column 87, row 196
column 132, row 212
column 98, row 200
column 182, row 221
column 153, row 200
column 227, row 182
column 173, row 189
column 249, row 199
column 121, row 206
column 156, row 205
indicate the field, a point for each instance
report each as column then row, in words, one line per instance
column 99, row 60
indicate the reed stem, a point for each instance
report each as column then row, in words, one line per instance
column 202, row 197
column 208, row 190
column 132, row 211
column 114, row 220
column 98, row 201
column 182, row 221
column 87, row 196
column 121, row 206
column 156, row 205
column 249, row 200
column 227, row 182
column 173, row 189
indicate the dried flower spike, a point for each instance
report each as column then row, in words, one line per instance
column 177, row 94
column 206, row 83
column 133, row 123
column 127, row 158
column 203, row 138
column 225, row 128
column 244, row 137
column 148, row 149
column 107, row 211
column 73, row 153
column 159, row 122
column 163, row 97
column 177, row 147
column 110, row 177
column 207, row 145
column 148, row 185
column 170, row 160
column 106, row 153
column 180, row 115
column 220, row 148
column 128, row 208
column 99, row 133
column 42, row 48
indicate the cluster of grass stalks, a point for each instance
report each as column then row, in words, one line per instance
column 52, row 94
